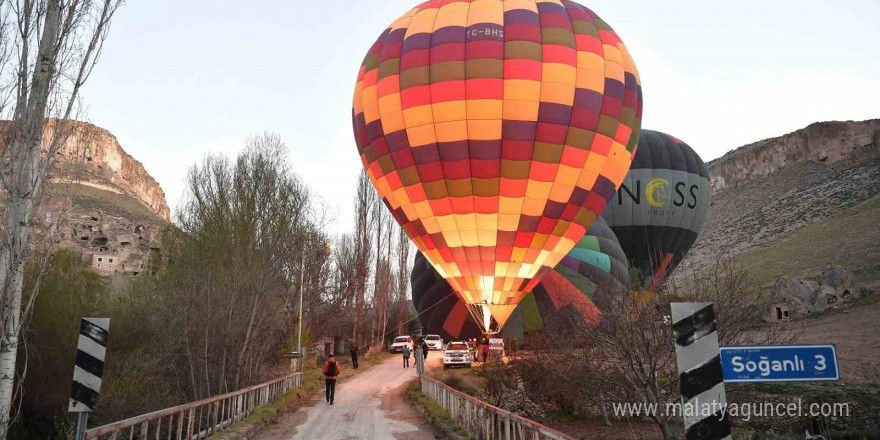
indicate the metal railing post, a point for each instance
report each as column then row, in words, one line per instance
column 199, row 419
column 484, row 421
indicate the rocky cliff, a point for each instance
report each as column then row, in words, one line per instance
column 828, row 142
column 790, row 192
column 92, row 156
column 99, row 202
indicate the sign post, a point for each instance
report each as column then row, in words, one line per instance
column 780, row 363
column 701, row 384
column 88, row 370
column 704, row 367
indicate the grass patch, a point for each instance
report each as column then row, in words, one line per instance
column 851, row 239
column 438, row 415
column 867, row 396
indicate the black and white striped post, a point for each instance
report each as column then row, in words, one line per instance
column 701, row 381
column 88, row 370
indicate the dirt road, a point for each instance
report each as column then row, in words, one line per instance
column 366, row 406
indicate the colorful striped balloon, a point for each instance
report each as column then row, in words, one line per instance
column 496, row 131
column 568, row 294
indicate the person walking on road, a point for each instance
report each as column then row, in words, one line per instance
column 485, row 350
column 425, row 349
column 331, row 372
column 406, row 353
column 354, row 356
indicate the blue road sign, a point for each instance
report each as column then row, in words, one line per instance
column 780, row 363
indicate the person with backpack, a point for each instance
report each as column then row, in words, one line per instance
column 425, row 349
column 331, row 372
column 354, row 356
column 406, row 353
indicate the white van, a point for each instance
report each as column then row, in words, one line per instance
column 400, row 342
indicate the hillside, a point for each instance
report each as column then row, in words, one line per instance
column 100, row 202
column 793, row 204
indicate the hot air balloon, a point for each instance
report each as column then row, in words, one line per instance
column 661, row 206
column 496, row 131
column 595, row 266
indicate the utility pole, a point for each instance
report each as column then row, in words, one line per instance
column 302, row 270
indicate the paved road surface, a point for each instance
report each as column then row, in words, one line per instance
column 367, row 406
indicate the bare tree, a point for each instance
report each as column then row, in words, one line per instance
column 362, row 251
column 248, row 235
column 629, row 355
column 377, row 223
column 49, row 48
column 387, row 277
column 403, row 273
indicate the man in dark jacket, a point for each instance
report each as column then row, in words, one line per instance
column 331, row 372
column 425, row 349
column 354, row 356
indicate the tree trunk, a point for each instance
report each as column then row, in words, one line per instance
column 26, row 139
column 665, row 430
column 604, row 409
column 247, row 340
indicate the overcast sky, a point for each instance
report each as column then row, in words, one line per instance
column 180, row 79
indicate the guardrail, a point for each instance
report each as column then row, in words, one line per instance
column 483, row 421
column 199, row 419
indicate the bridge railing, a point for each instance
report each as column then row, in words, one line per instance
column 200, row 419
column 483, row 421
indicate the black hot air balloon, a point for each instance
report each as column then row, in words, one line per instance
column 661, row 206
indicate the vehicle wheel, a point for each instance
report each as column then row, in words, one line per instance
column 445, row 367
column 470, row 364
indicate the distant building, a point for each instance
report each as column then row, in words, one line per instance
column 105, row 264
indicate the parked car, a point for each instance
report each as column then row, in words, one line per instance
column 435, row 342
column 457, row 354
column 400, row 342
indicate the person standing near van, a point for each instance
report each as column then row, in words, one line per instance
column 425, row 349
column 406, row 353
column 331, row 372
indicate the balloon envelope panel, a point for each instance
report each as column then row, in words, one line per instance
column 662, row 205
column 496, row 132
column 596, row 266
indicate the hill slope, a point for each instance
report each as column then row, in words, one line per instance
column 792, row 204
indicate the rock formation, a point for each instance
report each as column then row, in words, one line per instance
column 821, row 142
column 765, row 191
column 92, row 156
column 792, row 298
column 99, row 202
